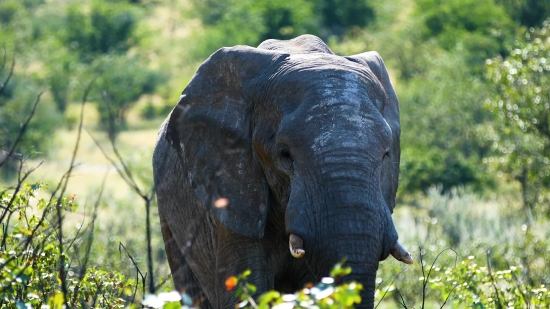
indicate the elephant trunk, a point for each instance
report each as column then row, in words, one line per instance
column 362, row 255
column 366, row 275
column 348, row 224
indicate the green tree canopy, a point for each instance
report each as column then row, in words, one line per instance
column 522, row 105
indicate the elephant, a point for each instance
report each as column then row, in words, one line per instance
column 282, row 159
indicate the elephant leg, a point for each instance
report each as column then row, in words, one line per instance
column 235, row 254
column 182, row 275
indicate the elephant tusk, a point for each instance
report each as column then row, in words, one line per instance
column 296, row 246
column 401, row 254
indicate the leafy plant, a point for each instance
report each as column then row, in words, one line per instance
column 328, row 294
column 34, row 271
column 521, row 132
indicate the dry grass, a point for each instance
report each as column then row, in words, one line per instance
column 92, row 166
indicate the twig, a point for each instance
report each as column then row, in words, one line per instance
column 385, row 292
column 3, row 60
column 138, row 272
column 427, row 277
column 83, row 266
column 23, row 128
column 122, row 169
column 493, row 279
column 402, row 303
column 526, row 299
column 3, row 85
column 65, row 182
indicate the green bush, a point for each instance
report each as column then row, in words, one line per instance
column 121, row 81
column 249, row 22
column 475, row 286
column 34, row 271
column 108, row 28
column 476, row 28
column 337, row 16
column 440, row 124
column 521, row 129
column 327, row 294
column 16, row 105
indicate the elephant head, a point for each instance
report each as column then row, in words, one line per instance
column 290, row 128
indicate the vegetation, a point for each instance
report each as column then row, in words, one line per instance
column 473, row 83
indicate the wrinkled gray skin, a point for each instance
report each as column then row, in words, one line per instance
column 300, row 141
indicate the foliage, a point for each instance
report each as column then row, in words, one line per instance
column 250, row 22
column 529, row 13
column 477, row 28
column 121, row 81
column 521, row 133
column 476, row 286
column 34, row 271
column 337, row 16
column 108, row 28
column 330, row 293
column 436, row 52
column 484, row 232
column 440, row 122
column 18, row 99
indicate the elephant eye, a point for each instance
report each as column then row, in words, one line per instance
column 285, row 154
column 386, row 155
column 285, row 158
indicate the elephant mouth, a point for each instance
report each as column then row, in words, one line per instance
column 296, row 246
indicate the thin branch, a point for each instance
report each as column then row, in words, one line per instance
column 493, row 279
column 23, row 129
column 402, row 303
column 122, row 169
column 423, row 276
column 4, row 60
column 83, row 266
column 3, row 85
column 168, row 277
column 58, row 207
column 120, row 245
column 427, row 277
column 526, row 299
column 449, row 295
column 385, row 292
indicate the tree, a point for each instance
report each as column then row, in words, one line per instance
column 441, row 111
column 107, row 28
column 477, row 28
column 528, row 13
column 121, row 81
column 522, row 106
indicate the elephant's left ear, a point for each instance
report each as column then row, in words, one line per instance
column 210, row 128
column 390, row 112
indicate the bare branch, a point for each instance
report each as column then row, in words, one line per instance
column 138, row 272
column 3, row 85
column 65, row 182
column 385, row 292
column 493, row 279
column 23, row 128
column 402, row 303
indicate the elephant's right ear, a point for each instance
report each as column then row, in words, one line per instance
column 210, row 128
column 390, row 112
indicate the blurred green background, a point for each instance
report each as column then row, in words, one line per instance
column 472, row 77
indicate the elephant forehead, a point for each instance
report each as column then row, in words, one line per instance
column 341, row 123
column 329, row 79
column 352, row 131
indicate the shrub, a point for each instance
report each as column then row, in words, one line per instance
column 36, row 271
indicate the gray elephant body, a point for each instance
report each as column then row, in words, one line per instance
column 300, row 141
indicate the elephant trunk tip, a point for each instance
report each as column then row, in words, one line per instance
column 401, row 254
column 296, row 245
